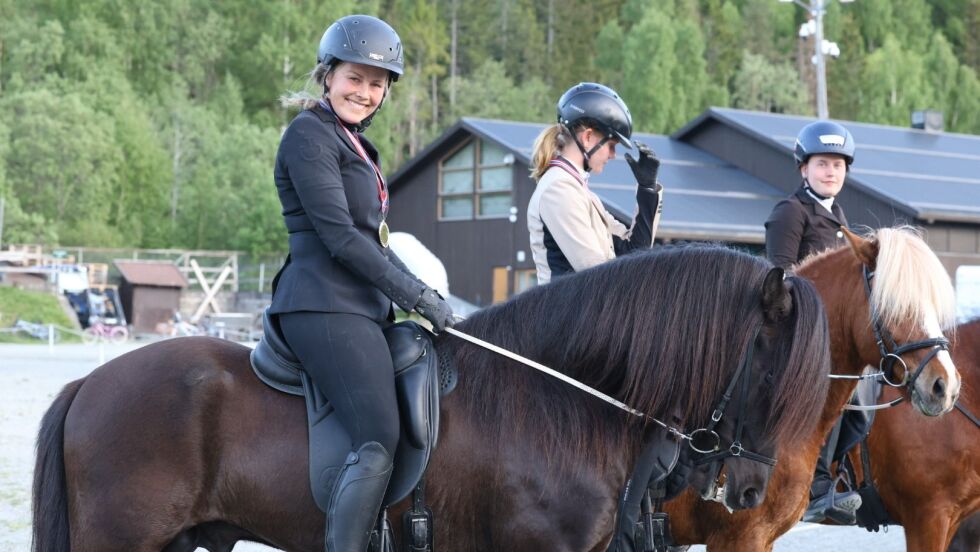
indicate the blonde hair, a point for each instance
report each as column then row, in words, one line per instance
column 549, row 143
column 910, row 281
column 303, row 98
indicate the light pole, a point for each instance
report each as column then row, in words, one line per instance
column 816, row 9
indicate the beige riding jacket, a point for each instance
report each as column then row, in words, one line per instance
column 570, row 228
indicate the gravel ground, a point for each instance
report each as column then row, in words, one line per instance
column 31, row 376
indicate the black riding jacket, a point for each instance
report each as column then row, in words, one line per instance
column 799, row 226
column 332, row 210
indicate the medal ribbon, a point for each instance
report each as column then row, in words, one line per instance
column 382, row 187
column 563, row 164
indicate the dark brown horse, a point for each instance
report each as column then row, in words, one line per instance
column 913, row 298
column 967, row 538
column 178, row 444
column 927, row 470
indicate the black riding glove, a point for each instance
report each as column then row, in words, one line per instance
column 645, row 169
column 435, row 309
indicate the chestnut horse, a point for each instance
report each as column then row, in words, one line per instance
column 912, row 297
column 927, row 470
column 178, row 445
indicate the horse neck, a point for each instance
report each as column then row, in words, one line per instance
column 837, row 277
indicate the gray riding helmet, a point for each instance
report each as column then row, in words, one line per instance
column 824, row 137
column 600, row 106
column 363, row 39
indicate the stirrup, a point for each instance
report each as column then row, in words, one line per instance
column 382, row 539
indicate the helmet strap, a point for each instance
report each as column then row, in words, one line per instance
column 587, row 154
column 809, row 188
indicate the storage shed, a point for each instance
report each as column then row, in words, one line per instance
column 150, row 292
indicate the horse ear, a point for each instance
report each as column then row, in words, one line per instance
column 776, row 299
column 864, row 249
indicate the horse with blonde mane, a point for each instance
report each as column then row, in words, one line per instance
column 910, row 299
column 927, row 470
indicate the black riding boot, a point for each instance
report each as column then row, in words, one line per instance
column 825, row 501
column 356, row 498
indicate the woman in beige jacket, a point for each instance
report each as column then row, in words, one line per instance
column 570, row 228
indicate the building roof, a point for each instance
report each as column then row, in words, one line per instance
column 151, row 273
column 705, row 197
column 935, row 176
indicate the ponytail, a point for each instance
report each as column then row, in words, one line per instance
column 549, row 144
column 303, row 99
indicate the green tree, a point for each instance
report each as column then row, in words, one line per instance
column 63, row 168
column 723, row 24
column 665, row 79
column 761, row 85
column 894, row 83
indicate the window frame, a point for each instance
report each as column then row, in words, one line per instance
column 476, row 170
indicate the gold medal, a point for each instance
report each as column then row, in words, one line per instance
column 383, row 234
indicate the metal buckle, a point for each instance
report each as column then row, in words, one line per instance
column 702, row 439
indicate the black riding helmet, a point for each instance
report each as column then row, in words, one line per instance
column 824, row 137
column 599, row 107
column 365, row 40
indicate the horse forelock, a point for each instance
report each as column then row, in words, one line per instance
column 800, row 390
column 663, row 331
column 910, row 282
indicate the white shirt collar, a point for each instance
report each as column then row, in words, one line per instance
column 826, row 203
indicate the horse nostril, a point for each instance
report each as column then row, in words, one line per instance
column 750, row 498
column 939, row 388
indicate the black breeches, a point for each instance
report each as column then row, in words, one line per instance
column 348, row 358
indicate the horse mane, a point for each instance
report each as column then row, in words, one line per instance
column 910, row 281
column 662, row 330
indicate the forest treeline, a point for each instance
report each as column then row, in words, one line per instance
column 155, row 124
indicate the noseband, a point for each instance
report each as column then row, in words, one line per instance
column 707, row 442
column 888, row 358
column 891, row 354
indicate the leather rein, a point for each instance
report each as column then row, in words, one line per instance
column 705, row 441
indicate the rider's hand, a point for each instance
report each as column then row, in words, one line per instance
column 435, row 309
column 646, row 167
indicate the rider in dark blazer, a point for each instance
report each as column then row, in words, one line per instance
column 807, row 222
column 800, row 226
column 335, row 292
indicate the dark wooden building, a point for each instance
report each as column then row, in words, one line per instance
column 465, row 196
column 150, row 292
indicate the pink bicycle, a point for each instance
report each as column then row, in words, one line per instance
column 104, row 332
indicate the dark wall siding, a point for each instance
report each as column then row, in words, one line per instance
column 955, row 244
column 470, row 249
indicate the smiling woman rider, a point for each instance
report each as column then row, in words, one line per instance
column 335, row 292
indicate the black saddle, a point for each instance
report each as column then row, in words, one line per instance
column 420, row 379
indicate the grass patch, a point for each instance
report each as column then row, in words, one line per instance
column 32, row 306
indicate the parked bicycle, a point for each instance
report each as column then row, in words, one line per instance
column 100, row 331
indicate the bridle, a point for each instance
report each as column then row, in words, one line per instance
column 891, row 354
column 707, row 442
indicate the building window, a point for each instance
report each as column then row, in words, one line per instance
column 476, row 181
column 524, row 279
